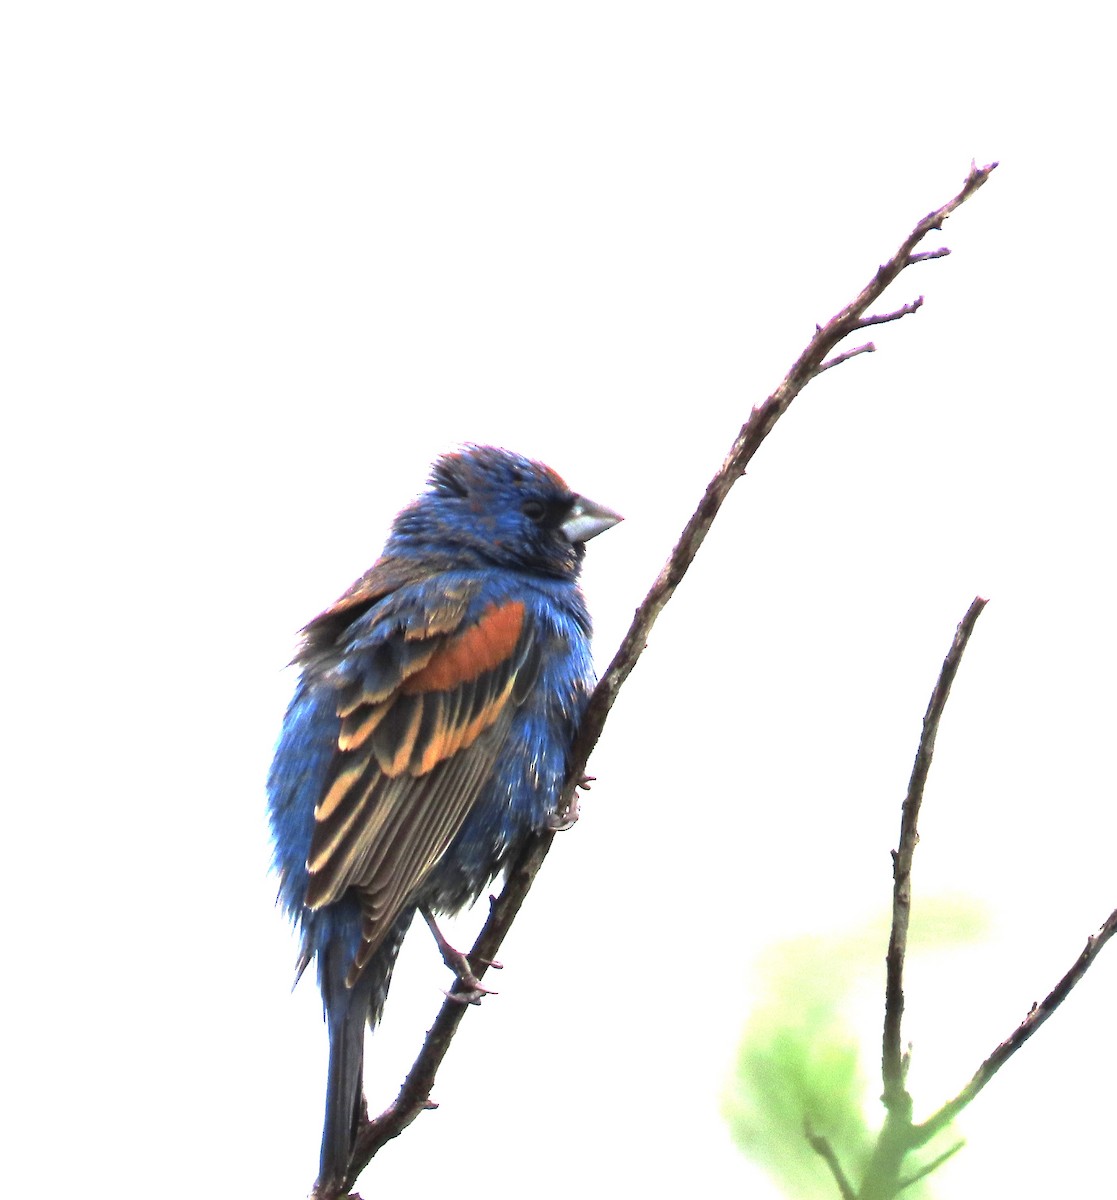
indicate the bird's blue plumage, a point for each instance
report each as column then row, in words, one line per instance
column 428, row 733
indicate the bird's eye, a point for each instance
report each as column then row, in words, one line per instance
column 534, row 510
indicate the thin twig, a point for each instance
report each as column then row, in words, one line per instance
column 933, row 1165
column 894, row 1066
column 867, row 348
column 926, row 255
column 821, row 1146
column 884, row 318
column 1039, row 1013
column 414, row 1095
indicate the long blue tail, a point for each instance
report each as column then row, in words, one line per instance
column 348, row 1011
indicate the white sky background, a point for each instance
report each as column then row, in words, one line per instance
column 264, row 262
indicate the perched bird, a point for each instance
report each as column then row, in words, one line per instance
column 428, row 733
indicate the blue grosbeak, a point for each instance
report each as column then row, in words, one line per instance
column 428, row 733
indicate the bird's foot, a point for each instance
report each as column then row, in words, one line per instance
column 468, row 989
column 560, row 822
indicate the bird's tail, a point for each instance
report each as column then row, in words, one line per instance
column 348, row 1010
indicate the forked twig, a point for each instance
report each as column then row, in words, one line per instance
column 883, row 1178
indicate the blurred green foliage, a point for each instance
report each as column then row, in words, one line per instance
column 799, row 1067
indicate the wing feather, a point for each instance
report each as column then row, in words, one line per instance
column 412, row 853
column 425, row 712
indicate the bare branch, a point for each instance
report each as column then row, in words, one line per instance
column 867, row 348
column 894, row 1064
column 414, row 1095
column 1039, row 1013
column 747, row 442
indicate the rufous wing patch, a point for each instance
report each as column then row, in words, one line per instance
column 478, row 649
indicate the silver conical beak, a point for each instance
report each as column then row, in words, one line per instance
column 586, row 520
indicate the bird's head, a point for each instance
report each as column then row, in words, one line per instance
column 497, row 508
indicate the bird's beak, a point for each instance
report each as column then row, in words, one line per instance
column 586, row 520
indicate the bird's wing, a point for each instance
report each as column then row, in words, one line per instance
column 425, row 703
